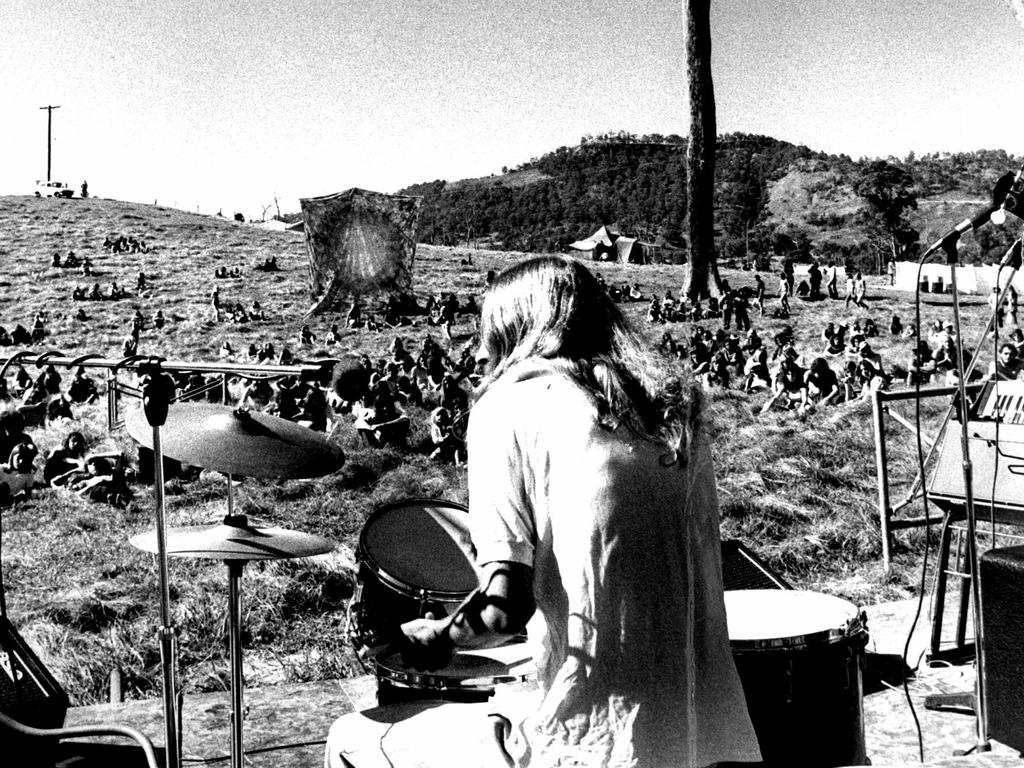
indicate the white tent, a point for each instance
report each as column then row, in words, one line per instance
column 936, row 278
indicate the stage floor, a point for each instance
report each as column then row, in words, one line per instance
column 286, row 725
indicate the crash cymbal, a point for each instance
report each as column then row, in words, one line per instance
column 235, row 539
column 238, row 441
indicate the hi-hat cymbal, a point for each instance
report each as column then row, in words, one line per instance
column 235, row 539
column 238, row 441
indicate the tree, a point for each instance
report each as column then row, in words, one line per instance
column 702, row 277
column 890, row 192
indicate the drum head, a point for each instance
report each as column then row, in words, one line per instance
column 422, row 544
column 772, row 618
column 479, row 668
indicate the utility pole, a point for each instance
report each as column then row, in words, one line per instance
column 49, row 136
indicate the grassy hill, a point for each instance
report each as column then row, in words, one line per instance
column 800, row 492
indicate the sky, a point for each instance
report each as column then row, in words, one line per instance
column 226, row 106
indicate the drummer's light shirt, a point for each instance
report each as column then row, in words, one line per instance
column 630, row 636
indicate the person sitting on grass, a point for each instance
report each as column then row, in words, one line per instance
column 82, row 388
column 18, row 472
column 654, row 311
column 105, row 480
column 447, row 445
column 895, row 326
column 700, row 359
column 258, row 395
column 755, row 371
column 36, row 393
column 285, row 403
column 784, row 340
column 1006, row 366
column 822, row 385
column 314, row 412
column 383, row 422
column 790, row 386
column 718, row 375
column 66, row 462
column 868, row 378
column 921, row 364
column 734, row 354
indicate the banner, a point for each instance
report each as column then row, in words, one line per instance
column 359, row 243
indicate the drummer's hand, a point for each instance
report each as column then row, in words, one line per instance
column 428, row 644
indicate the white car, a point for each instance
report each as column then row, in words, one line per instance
column 53, row 189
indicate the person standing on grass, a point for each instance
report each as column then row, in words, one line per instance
column 860, row 290
column 784, row 291
column 833, row 279
column 595, row 520
column 215, row 305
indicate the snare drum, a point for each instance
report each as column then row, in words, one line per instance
column 416, row 557
column 800, row 656
column 470, row 675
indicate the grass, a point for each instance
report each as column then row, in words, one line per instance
column 801, row 493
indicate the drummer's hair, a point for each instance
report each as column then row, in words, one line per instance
column 552, row 307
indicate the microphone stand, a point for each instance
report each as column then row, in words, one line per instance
column 982, row 744
column 157, row 391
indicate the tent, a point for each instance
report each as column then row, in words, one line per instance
column 606, row 244
column 601, row 245
column 629, row 250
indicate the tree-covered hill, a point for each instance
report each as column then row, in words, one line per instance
column 771, row 197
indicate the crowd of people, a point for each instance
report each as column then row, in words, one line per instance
column 843, row 366
column 123, row 244
column 43, row 399
column 721, row 348
column 114, row 293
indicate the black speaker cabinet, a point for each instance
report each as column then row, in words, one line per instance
column 28, row 694
column 742, row 569
column 1002, row 601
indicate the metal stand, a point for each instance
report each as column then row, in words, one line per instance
column 980, row 708
column 157, row 392
column 235, row 645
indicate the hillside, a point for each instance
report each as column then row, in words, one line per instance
column 801, row 493
column 771, row 197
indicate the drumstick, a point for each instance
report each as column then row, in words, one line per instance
column 394, row 644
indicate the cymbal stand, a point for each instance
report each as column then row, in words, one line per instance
column 157, row 391
column 235, row 648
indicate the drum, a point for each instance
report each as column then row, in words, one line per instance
column 471, row 675
column 800, row 657
column 416, row 557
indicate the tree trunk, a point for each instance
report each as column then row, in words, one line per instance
column 702, row 278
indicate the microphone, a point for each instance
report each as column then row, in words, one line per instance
column 1000, row 196
column 1013, row 257
column 1013, row 201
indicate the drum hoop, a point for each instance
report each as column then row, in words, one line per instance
column 428, row 680
column 408, row 590
column 854, row 631
column 434, row 681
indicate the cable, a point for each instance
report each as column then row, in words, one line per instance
column 928, row 525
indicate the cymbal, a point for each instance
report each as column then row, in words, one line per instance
column 235, row 539
column 238, row 441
